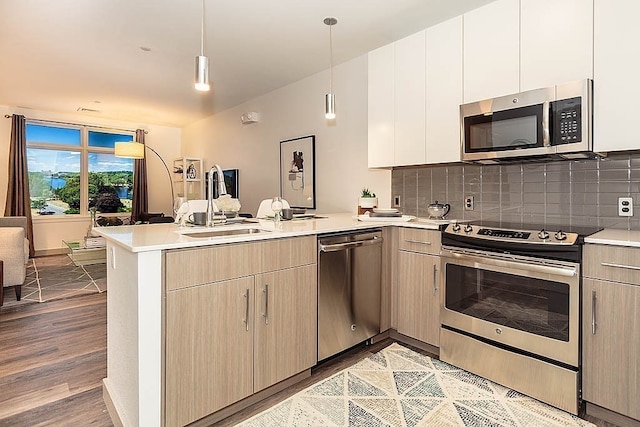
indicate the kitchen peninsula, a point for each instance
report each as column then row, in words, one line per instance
column 159, row 309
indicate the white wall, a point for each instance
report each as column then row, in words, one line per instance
column 51, row 230
column 293, row 111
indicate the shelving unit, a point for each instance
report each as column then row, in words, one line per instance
column 188, row 178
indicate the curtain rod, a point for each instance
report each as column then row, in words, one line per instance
column 8, row 116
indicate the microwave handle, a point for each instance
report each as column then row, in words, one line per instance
column 546, row 139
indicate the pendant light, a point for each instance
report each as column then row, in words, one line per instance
column 202, row 63
column 330, row 98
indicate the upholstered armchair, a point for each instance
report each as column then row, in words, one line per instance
column 14, row 252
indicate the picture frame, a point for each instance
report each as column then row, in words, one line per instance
column 298, row 172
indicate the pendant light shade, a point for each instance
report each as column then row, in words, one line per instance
column 330, row 106
column 202, row 63
column 202, row 73
column 330, row 98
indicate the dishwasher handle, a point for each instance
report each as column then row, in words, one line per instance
column 349, row 245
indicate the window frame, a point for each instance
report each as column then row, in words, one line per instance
column 84, row 149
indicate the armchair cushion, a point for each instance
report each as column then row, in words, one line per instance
column 14, row 252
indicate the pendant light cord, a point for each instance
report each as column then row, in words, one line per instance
column 330, row 59
column 202, row 32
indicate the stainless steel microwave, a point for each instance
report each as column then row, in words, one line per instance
column 542, row 123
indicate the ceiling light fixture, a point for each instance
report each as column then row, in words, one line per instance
column 202, row 63
column 330, row 98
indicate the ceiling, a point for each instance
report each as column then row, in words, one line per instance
column 66, row 55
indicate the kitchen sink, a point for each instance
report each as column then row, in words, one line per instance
column 225, row 232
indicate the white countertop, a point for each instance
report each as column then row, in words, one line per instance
column 151, row 237
column 615, row 237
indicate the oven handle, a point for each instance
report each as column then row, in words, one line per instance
column 486, row 257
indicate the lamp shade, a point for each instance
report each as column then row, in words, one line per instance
column 129, row 150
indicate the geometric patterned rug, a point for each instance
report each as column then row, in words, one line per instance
column 399, row 387
column 57, row 277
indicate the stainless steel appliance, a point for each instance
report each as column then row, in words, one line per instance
column 349, row 277
column 511, row 307
column 542, row 123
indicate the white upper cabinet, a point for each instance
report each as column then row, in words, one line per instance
column 616, row 65
column 513, row 46
column 556, row 42
column 444, row 91
column 409, row 85
column 491, row 50
column 381, row 107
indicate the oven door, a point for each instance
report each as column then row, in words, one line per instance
column 528, row 304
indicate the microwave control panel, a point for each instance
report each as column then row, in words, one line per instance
column 567, row 121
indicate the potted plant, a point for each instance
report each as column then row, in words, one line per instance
column 367, row 201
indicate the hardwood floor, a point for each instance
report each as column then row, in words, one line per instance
column 53, row 359
column 52, row 362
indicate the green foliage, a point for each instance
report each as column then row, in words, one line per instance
column 108, row 203
column 38, row 185
column 39, row 203
column 367, row 193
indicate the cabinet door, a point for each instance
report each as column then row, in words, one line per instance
column 556, row 42
column 286, row 324
column 616, row 64
column 491, row 50
column 209, row 348
column 409, row 71
column 381, row 107
column 419, row 297
column 610, row 360
column 443, row 91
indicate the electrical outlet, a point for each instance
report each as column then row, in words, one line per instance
column 625, row 206
column 468, row 203
column 396, row 201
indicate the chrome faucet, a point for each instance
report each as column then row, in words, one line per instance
column 222, row 190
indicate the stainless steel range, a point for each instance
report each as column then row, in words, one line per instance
column 511, row 307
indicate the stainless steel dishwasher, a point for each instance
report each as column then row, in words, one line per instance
column 349, row 267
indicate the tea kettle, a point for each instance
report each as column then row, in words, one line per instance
column 438, row 210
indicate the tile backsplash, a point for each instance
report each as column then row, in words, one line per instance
column 568, row 192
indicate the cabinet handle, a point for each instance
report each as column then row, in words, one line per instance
column 246, row 314
column 266, row 304
column 435, row 279
column 593, row 312
column 420, row 242
column 628, row 267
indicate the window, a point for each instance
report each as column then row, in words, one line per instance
column 73, row 169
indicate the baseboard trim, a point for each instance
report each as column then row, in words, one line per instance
column 111, row 407
column 49, row 252
column 610, row 416
column 414, row 342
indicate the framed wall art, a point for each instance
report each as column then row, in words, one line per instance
column 298, row 172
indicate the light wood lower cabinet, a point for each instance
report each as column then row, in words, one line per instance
column 209, row 349
column 610, row 359
column 285, row 324
column 419, row 296
column 228, row 339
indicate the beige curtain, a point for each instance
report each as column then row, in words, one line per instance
column 140, row 202
column 18, row 199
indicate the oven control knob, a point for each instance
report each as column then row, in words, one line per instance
column 561, row 235
column 468, row 228
column 456, row 227
column 542, row 234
